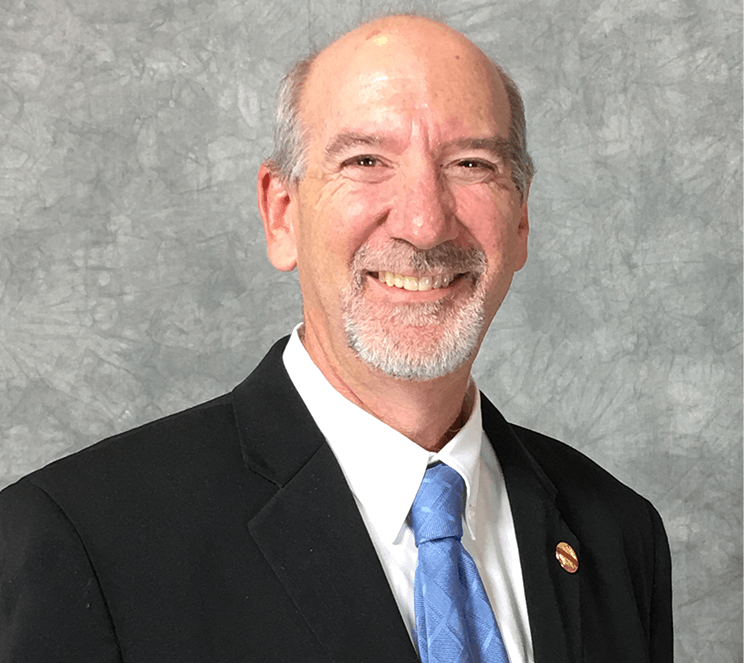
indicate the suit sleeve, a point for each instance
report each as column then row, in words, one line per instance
column 51, row 605
column 661, row 632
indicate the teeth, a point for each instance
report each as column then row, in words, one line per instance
column 416, row 284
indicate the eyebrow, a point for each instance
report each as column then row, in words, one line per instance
column 347, row 140
column 495, row 144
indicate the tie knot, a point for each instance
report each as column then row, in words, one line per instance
column 437, row 509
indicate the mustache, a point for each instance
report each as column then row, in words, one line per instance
column 403, row 258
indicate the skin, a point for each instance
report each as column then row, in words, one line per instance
column 392, row 112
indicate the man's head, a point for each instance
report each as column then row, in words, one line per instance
column 398, row 187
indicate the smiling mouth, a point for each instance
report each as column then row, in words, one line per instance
column 416, row 283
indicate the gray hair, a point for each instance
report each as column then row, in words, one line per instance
column 289, row 158
column 523, row 169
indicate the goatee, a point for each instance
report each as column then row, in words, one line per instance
column 420, row 341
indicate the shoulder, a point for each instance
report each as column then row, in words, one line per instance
column 176, row 469
column 178, row 440
column 570, row 469
column 192, row 454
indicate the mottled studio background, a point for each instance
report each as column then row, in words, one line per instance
column 133, row 277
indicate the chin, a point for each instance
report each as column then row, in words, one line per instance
column 419, row 342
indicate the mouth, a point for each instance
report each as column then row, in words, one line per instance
column 416, row 283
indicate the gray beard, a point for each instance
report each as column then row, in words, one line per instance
column 387, row 353
column 455, row 326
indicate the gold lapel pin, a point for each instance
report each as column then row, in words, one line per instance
column 567, row 557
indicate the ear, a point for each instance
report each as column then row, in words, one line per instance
column 276, row 205
column 523, row 231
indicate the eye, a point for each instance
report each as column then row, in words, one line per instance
column 366, row 168
column 472, row 170
column 362, row 161
column 486, row 167
column 472, row 164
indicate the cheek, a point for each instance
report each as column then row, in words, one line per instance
column 489, row 216
column 345, row 217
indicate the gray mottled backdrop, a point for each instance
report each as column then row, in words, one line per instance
column 133, row 277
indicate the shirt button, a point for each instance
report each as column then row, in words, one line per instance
column 567, row 557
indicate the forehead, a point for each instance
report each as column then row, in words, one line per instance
column 390, row 78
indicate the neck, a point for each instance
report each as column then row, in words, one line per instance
column 429, row 412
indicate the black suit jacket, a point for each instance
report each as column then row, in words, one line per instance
column 227, row 533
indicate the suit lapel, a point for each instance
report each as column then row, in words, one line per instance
column 552, row 593
column 311, row 532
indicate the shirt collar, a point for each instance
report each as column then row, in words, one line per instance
column 383, row 467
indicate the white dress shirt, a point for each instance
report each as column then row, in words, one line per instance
column 384, row 470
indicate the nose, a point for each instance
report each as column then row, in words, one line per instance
column 424, row 210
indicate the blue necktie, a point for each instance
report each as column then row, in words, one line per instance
column 454, row 620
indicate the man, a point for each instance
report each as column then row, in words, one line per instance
column 279, row 522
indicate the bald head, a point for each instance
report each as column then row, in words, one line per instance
column 400, row 49
column 397, row 44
